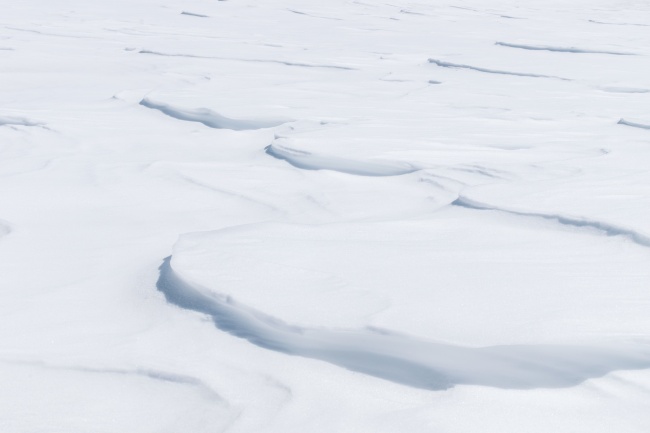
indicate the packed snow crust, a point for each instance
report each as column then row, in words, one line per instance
column 343, row 216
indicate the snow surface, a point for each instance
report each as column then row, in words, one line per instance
column 342, row 216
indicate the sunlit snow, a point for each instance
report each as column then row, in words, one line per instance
column 342, row 216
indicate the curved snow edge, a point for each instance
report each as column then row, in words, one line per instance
column 209, row 118
column 633, row 124
column 309, row 161
column 404, row 360
column 603, row 227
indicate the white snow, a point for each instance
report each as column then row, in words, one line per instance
column 343, row 216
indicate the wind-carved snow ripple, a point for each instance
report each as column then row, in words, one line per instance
column 235, row 59
column 209, row 118
column 444, row 64
column 309, row 161
column 156, row 375
column 619, row 24
column 404, row 360
column 18, row 121
column 602, row 227
column 192, row 14
column 618, row 89
column 633, row 124
column 561, row 49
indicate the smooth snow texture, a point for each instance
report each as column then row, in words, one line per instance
column 5, row 228
column 370, row 287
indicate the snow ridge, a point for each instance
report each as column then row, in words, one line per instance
column 561, row 49
column 619, row 24
column 20, row 121
column 617, row 89
column 491, row 71
column 235, row 59
column 404, row 360
column 208, row 117
column 633, row 124
column 192, row 14
column 603, row 227
column 310, row 161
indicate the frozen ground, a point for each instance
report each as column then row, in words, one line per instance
column 343, row 216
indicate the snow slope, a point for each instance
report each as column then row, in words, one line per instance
column 344, row 216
